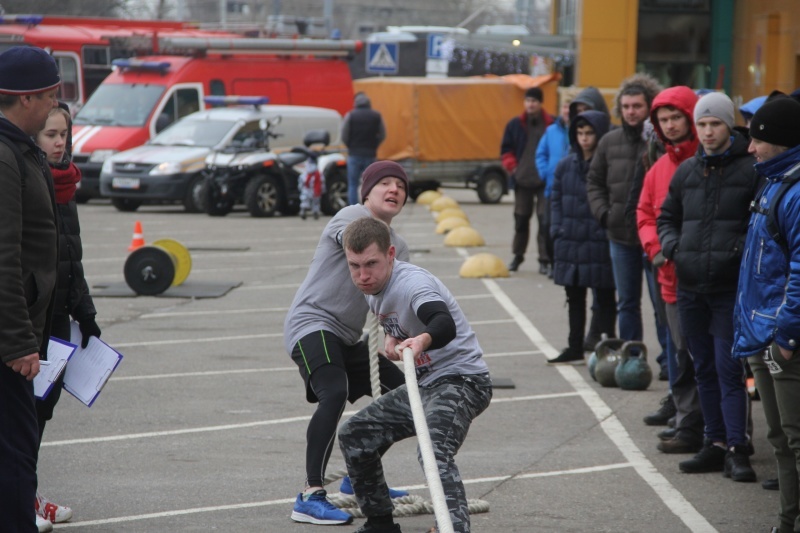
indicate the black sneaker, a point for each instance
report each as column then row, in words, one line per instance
column 737, row 465
column 568, row 357
column 770, row 484
column 664, row 413
column 668, row 433
column 513, row 266
column 710, row 458
column 679, row 444
column 543, row 269
column 372, row 528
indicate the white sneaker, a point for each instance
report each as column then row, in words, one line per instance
column 43, row 525
column 51, row 511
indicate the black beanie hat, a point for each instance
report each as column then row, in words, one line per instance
column 535, row 92
column 379, row 170
column 27, row 70
column 776, row 122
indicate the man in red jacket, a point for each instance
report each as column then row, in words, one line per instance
column 518, row 154
column 672, row 118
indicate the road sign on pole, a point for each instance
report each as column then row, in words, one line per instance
column 435, row 50
column 383, row 58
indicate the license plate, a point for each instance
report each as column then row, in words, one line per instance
column 125, row 183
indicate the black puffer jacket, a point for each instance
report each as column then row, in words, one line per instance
column 72, row 291
column 703, row 221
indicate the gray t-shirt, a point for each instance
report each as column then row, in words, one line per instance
column 396, row 307
column 328, row 299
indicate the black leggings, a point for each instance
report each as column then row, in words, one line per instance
column 329, row 383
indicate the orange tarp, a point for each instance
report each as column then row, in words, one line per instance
column 450, row 119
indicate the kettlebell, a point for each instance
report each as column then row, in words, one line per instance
column 608, row 357
column 592, row 362
column 633, row 372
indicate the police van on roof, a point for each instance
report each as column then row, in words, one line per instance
column 168, row 168
column 143, row 95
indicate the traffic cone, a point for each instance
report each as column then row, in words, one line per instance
column 138, row 237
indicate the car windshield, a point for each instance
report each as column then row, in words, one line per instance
column 195, row 132
column 122, row 104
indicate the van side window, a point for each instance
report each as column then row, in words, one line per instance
column 182, row 102
column 68, row 90
column 217, row 87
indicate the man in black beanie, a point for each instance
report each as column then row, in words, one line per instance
column 29, row 81
column 518, row 154
column 767, row 316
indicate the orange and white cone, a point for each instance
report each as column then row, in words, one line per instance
column 138, row 237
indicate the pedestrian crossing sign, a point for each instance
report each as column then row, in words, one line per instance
column 383, row 58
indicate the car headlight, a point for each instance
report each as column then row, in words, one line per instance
column 99, row 156
column 108, row 167
column 166, row 169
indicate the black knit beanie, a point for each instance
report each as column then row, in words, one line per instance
column 777, row 122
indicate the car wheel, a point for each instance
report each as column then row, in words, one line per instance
column 264, row 196
column 126, row 205
column 335, row 197
column 195, row 200
column 491, row 187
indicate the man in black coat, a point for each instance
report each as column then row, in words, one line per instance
column 362, row 132
column 518, row 152
column 702, row 228
column 28, row 256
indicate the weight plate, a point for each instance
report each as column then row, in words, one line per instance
column 184, row 264
column 149, row 270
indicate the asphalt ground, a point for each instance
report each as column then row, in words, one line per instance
column 202, row 427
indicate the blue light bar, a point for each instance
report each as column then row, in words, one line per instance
column 236, row 100
column 31, row 20
column 136, row 64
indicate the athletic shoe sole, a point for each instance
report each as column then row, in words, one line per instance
column 306, row 519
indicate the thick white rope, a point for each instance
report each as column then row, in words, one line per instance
column 443, row 522
column 374, row 370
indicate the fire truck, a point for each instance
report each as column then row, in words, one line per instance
column 82, row 46
column 145, row 94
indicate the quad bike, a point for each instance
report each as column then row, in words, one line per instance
column 267, row 183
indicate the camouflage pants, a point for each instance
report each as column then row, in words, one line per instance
column 450, row 403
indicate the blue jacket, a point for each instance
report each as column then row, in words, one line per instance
column 581, row 253
column 553, row 146
column 768, row 299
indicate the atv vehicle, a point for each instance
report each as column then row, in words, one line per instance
column 266, row 182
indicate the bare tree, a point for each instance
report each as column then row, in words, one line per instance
column 94, row 8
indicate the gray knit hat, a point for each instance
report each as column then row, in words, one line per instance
column 716, row 105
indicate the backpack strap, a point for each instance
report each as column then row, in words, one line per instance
column 771, row 211
column 18, row 156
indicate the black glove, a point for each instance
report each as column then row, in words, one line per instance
column 659, row 260
column 89, row 328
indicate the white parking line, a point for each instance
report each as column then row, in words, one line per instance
column 287, row 501
column 671, row 497
column 190, row 341
column 243, row 425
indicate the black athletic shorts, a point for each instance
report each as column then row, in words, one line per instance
column 323, row 347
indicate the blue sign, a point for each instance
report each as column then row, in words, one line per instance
column 435, row 42
column 383, row 58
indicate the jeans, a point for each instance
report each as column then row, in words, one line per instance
column 707, row 323
column 628, row 265
column 662, row 329
column 356, row 165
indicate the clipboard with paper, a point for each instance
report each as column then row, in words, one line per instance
column 59, row 353
column 89, row 368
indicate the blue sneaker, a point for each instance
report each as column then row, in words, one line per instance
column 315, row 508
column 347, row 488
